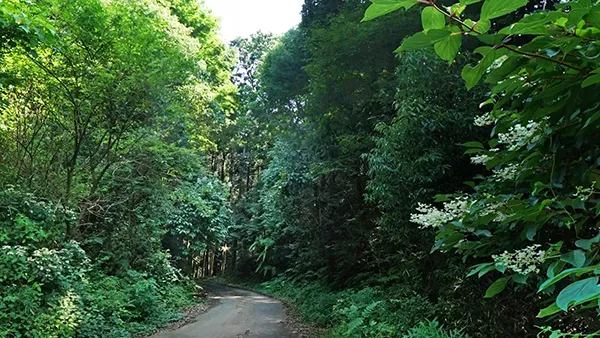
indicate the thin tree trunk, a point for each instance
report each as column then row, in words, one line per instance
column 212, row 263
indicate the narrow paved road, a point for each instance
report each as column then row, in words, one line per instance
column 239, row 314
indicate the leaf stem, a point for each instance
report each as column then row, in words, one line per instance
column 539, row 56
column 453, row 17
column 515, row 50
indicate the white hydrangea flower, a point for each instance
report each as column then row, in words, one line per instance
column 522, row 261
column 431, row 217
column 519, row 135
column 483, row 120
column 480, row 159
column 8, row 250
column 494, row 208
column 508, row 173
column 584, row 193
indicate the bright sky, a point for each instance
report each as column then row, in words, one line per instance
column 244, row 17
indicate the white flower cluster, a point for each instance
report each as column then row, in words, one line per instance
column 47, row 263
column 18, row 251
column 522, row 261
column 508, row 173
column 494, row 208
column 480, row 159
column 519, row 135
column 431, row 217
column 483, row 120
column 585, row 193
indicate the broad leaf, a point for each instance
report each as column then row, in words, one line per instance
column 431, row 18
column 448, row 47
column 423, row 39
column 592, row 80
column 479, row 267
column 382, row 7
column 580, row 291
column 566, row 273
column 496, row 8
column 472, row 75
column 532, row 24
column 575, row 258
column 521, row 279
column 497, row 287
column 482, row 26
column 587, row 243
column 550, row 310
column 473, row 144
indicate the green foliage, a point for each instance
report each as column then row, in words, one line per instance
column 432, row 329
column 370, row 313
column 364, row 312
column 354, row 145
column 383, row 7
column 54, row 281
column 106, row 200
column 537, row 205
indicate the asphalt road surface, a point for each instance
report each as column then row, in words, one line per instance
column 239, row 314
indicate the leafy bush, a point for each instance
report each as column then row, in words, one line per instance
column 42, row 276
column 432, row 329
column 362, row 312
column 313, row 300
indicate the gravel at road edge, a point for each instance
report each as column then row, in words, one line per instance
column 189, row 316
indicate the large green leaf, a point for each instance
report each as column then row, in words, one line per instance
column 382, row 7
column 480, row 267
column 448, row 47
column 575, row 258
column 497, row 287
column 550, row 310
column 482, row 26
column 587, row 243
column 592, row 80
column 532, row 24
column 423, row 39
column 496, row 8
column 578, row 292
column 473, row 144
column 593, row 17
column 471, row 74
column 564, row 274
column 431, row 18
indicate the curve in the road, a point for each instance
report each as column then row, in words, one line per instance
column 240, row 313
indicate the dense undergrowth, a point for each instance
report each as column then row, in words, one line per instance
column 51, row 288
column 377, row 311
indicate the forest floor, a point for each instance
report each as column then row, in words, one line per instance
column 239, row 313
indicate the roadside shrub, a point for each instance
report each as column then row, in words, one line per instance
column 361, row 312
column 432, row 329
column 53, row 281
column 374, row 312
